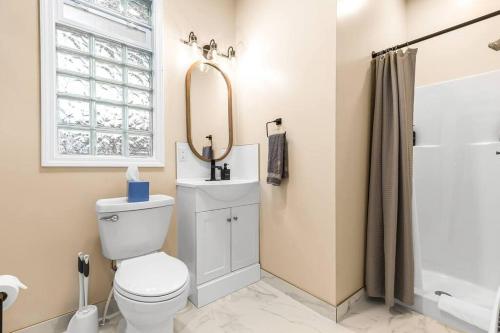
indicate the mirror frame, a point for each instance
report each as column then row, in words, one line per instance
column 188, row 109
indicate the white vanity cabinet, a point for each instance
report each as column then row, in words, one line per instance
column 218, row 236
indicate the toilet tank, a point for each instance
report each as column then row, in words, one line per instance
column 133, row 229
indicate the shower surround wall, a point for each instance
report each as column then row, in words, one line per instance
column 458, row 130
column 457, row 177
column 457, row 186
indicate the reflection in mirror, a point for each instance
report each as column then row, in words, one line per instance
column 208, row 111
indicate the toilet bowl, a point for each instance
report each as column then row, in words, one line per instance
column 149, row 290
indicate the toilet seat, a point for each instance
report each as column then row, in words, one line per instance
column 155, row 277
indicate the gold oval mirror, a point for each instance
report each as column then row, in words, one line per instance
column 209, row 115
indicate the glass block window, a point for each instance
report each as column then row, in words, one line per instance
column 103, row 94
column 102, row 87
column 139, row 10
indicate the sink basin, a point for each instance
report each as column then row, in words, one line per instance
column 223, row 190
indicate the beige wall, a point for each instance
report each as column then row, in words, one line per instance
column 376, row 25
column 48, row 213
column 287, row 69
column 457, row 54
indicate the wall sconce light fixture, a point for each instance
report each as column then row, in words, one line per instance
column 209, row 51
column 192, row 40
column 231, row 53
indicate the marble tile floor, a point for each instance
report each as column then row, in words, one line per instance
column 272, row 305
column 373, row 317
column 257, row 308
column 323, row 308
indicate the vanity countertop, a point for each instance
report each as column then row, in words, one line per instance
column 204, row 183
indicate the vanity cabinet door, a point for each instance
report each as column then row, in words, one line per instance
column 213, row 244
column 244, row 236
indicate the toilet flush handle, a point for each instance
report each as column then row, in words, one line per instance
column 112, row 218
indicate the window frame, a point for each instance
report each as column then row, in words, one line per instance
column 50, row 13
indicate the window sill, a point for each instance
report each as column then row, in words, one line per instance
column 91, row 162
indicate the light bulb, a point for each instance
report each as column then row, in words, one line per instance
column 194, row 48
column 214, row 55
column 203, row 67
column 231, row 54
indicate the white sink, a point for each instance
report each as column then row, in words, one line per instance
column 223, row 190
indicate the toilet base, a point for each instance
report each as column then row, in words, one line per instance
column 155, row 317
column 124, row 328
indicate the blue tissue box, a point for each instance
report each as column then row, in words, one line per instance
column 138, row 191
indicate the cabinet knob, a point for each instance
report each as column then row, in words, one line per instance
column 228, row 219
column 235, row 218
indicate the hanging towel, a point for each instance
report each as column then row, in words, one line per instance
column 277, row 161
column 208, row 152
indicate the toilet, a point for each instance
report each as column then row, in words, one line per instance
column 149, row 286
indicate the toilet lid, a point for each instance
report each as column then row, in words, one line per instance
column 156, row 276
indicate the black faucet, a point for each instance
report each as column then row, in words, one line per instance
column 213, row 167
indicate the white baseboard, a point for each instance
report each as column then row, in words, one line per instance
column 344, row 307
column 60, row 324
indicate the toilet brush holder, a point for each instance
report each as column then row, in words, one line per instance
column 85, row 320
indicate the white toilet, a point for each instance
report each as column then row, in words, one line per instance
column 150, row 286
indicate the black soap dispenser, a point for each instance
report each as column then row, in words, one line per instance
column 225, row 173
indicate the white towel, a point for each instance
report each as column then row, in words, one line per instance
column 470, row 313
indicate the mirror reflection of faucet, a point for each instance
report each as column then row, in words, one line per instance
column 208, row 151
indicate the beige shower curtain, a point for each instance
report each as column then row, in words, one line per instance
column 389, row 248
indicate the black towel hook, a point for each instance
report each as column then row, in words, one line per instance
column 277, row 121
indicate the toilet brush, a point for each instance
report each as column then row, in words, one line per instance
column 80, row 280
column 86, row 271
column 85, row 320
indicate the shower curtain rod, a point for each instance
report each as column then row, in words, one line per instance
column 439, row 33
